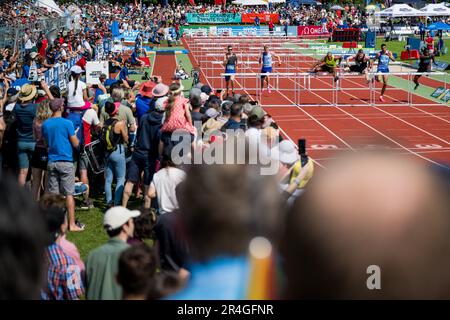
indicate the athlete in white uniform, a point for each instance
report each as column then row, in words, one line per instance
column 266, row 60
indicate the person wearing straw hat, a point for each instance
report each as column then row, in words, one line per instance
column 25, row 111
column 230, row 62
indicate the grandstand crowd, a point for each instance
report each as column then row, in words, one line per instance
column 200, row 219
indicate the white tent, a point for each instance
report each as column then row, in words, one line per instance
column 50, row 5
column 436, row 9
column 400, row 10
column 251, row 2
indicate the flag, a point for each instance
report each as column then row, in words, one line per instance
column 192, row 2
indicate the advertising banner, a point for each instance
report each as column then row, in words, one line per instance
column 213, row 18
column 263, row 17
column 312, row 31
column 94, row 70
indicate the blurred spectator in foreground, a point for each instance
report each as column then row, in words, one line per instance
column 370, row 209
column 137, row 268
column 63, row 274
column 57, row 200
column 102, row 263
column 222, row 208
column 24, row 237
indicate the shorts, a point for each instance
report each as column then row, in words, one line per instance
column 228, row 78
column 423, row 69
column 136, row 166
column 81, row 160
column 39, row 158
column 359, row 69
column 326, row 68
column 61, row 178
column 25, row 151
column 383, row 70
column 266, row 70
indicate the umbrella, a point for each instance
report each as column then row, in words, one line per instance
column 439, row 26
column 336, row 7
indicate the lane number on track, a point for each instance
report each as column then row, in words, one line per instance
column 428, row 146
column 323, row 146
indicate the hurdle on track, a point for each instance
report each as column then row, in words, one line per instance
column 306, row 89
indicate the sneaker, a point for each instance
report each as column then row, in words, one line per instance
column 87, row 205
column 336, row 79
column 79, row 224
column 417, row 85
column 382, row 99
column 268, row 90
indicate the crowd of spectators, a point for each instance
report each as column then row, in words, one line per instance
column 209, row 222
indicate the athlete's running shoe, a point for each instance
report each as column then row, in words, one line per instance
column 382, row 99
column 417, row 85
column 268, row 90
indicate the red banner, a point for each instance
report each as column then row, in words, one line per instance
column 311, row 31
column 263, row 17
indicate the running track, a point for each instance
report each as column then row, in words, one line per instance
column 419, row 132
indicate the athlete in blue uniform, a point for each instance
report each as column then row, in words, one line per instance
column 266, row 60
column 230, row 63
column 383, row 57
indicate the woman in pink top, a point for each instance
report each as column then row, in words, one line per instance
column 177, row 117
column 178, row 114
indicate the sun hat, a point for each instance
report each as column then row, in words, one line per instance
column 285, row 152
column 160, row 90
column 160, row 103
column 117, row 216
column 147, row 89
column 27, row 92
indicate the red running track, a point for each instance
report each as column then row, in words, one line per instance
column 422, row 133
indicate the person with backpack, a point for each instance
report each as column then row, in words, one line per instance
column 146, row 153
column 114, row 137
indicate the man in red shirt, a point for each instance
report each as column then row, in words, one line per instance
column 270, row 24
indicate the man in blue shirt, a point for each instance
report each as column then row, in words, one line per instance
column 60, row 137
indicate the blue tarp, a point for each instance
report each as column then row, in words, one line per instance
column 439, row 26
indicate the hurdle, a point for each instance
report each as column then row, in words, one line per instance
column 308, row 90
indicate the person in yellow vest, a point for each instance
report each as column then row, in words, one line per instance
column 328, row 64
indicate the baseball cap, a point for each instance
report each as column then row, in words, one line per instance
column 33, row 55
column 259, row 112
column 76, row 69
column 117, row 216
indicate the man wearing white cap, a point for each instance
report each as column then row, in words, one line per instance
column 102, row 263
